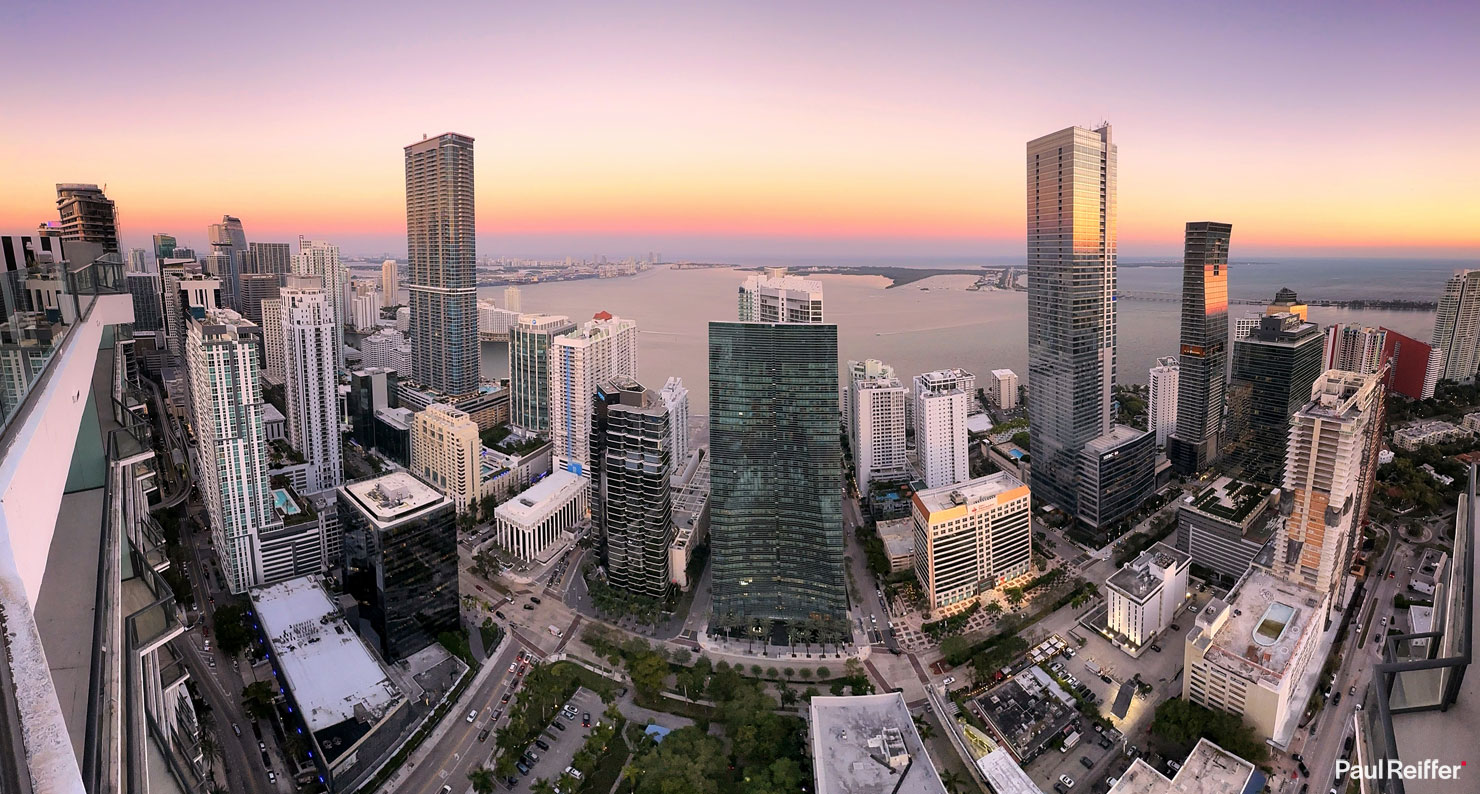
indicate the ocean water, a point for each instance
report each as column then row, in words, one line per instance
column 937, row 322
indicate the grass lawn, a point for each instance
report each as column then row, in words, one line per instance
column 601, row 779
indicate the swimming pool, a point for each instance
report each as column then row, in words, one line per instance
column 1272, row 623
column 284, row 503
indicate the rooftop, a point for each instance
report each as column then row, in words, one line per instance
column 1139, row 578
column 1004, row 775
column 1118, row 436
column 1424, row 428
column 325, row 664
column 1230, row 500
column 394, row 497
column 867, row 744
column 530, row 506
column 997, row 488
column 1209, row 769
column 1267, row 617
column 1003, row 373
column 1028, row 711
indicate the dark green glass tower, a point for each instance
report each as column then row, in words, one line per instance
column 776, row 524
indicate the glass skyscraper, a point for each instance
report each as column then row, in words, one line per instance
column 776, row 489
column 1071, row 303
column 632, row 504
column 1273, row 370
column 1204, row 353
column 530, row 341
column 441, row 277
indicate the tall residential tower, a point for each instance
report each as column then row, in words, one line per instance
column 1204, row 353
column 441, row 276
column 309, row 339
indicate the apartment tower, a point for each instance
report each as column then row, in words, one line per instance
column 529, row 370
column 1161, row 401
column 1204, row 353
column 876, row 423
column 604, row 347
column 941, row 401
column 632, row 503
column 309, row 338
column 442, row 279
column 88, row 215
column 1457, row 327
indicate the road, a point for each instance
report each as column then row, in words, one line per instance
column 869, row 614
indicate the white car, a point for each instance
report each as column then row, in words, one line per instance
column 1067, row 781
column 573, row 772
column 472, row 715
column 950, row 679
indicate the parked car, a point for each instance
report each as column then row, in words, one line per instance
column 542, row 744
column 529, row 606
column 472, row 715
column 534, row 599
column 523, row 770
column 573, row 772
column 558, row 726
column 950, row 679
column 586, row 720
column 1155, row 648
column 1067, row 781
column 1085, row 762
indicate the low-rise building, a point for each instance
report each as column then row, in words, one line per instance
column 1209, row 769
column 352, row 714
column 1225, row 525
column 1144, row 596
column 899, row 542
column 1428, row 572
column 503, row 474
column 1471, row 422
column 867, row 744
column 537, row 523
column 690, row 514
column 970, row 538
column 1425, row 434
column 274, row 424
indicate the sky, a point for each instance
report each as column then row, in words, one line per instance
column 728, row 131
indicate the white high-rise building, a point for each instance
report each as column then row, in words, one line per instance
column 512, row 300
column 366, row 311
column 321, row 259
column 675, row 398
column 272, row 338
column 493, row 321
column 1144, row 595
column 403, row 319
column 1354, row 348
column 1330, row 466
column 1457, row 327
column 313, row 398
column 221, row 356
column 876, row 429
column 1244, row 324
column 941, row 402
column 377, row 349
column 971, row 537
column 444, row 452
column 775, row 297
column 1162, row 399
column 603, row 348
column 136, row 261
column 390, row 285
column 1005, row 389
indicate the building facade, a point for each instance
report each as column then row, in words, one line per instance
column 309, row 340
column 1005, row 389
column 441, row 275
column 148, row 312
column 1275, row 366
column 775, row 297
column 529, row 370
column 444, row 452
column 604, row 347
column 941, row 402
column 1203, row 356
column 876, row 423
column 971, row 538
column 1162, row 399
column 274, row 353
column 321, row 260
column 631, row 498
column 776, row 460
column 1457, row 327
column 535, row 525
column 1071, row 306
column 1354, row 348
column 1117, row 471
column 275, row 258
column 1143, row 596
column 1224, row 526
column 390, row 284
column 676, row 396
column 88, row 215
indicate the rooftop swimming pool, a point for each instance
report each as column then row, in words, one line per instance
column 284, row 503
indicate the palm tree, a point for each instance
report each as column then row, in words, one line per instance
column 923, row 728
column 542, row 786
column 482, row 780
column 952, row 781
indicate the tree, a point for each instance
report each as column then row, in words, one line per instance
column 824, row 673
column 482, row 780
column 923, row 727
column 232, row 634
column 806, row 672
column 1014, row 595
column 1182, row 722
column 952, row 781
column 993, row 609
column 257, row 700
column 648, row 670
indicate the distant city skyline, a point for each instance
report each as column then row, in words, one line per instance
column 803, row 131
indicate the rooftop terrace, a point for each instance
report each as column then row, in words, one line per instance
column 1267, row 617
column 867, row 744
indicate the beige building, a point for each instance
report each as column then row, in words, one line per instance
column 971, row 537
column 1209, row 769
column 444, row 452
column 1005, row 389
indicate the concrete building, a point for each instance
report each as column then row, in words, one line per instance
column 1209, row 769
column 676, row 396
column 365, row 311
column 631, row 497
column 1413, row 368
column 321, row 260
column 403, row 320
column 1457, row 327
column 495, row 323
column 1244, row 324
column 690, row 515
column 221, row 359
column 1426, row 434
column 1224, row 526
column 380, row 348
column 1252, row 653
column 1162, row 405
column 1144, row 596
column 148, row 311
column 942, row 400
column 503, row 474
column 309, row 340
column 187, row 296
column 1204, row 352
column 352, row 713
column 1071, row 303
column 538, row 523
column 1329, row 472
column 775, row 297
column 1005, row 389
column 1354, row 348
column 400, row 561
column 1430, row 572
column 274, row 351
column 1287, row 302
column 512, row 300
column 603, row 348
column 898, row 536
column 444, row 453
column 88, row 216
column 970, row 538
column 867, row 744
column 274, row 258
column 442, row 253
column 1273, row 371
column 1117, row 472
column 256, row 288
column 390, row 284
column 876, row 424
column 529, row 370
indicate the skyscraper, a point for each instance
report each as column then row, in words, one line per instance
column 309, row 338
column 88, row 215
column 164, row 248
column 1071, row 303
column 632, row 507
column 229, row 242
column 390, row 284
column 273, row 355
column 148, row 314
column 942, row 400
column 1273, row 371
column 221, row 357
column 1354, row 348
column 512, row 300
column 676, row 397
column 529, row 370
column 321, row 260
column 1204, row 353
column 1457, row 327
column 444, row 452
column 602, row 348
column 442, row 280
column 256, row 288
column 971, row 537
column 1329, row 472
column 136, row 261
column 876, row 425
column 775, row 297
column 1413, row 367
column 776, row 461
column 1162, row 402
column 271, row 258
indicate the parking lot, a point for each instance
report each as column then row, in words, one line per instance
column 563, row 744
